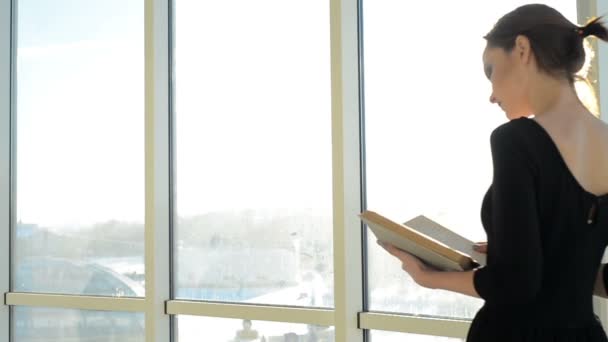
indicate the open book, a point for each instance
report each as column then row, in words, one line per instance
column 428, row 240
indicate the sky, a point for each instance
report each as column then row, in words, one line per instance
column 253, row 110
column 79, row 112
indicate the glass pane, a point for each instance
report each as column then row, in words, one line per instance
column 80, row 147
column 196, row 329
column 253, row 152
column 428, row 150
column 389, row 336
column 32, row 324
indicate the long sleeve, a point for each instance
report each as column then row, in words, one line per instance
column 514, row 269
column 605, row 277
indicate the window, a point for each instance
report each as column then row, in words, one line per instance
column 33, row 324
column 388, row 336
column 253, row 153
column 194, row 329
column 79, row 141
column 428, row 125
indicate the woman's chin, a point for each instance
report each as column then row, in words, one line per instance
column 512, row 115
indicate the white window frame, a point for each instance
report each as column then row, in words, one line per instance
column 349, row 316
column 600, row 7
column 5, row 148
column 157, row 161
column 587, row 9
column 602, row 60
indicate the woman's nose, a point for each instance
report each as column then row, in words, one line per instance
column 492, row 99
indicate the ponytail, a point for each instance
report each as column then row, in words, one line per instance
column 595, row 27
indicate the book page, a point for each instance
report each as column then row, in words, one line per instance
column 436, row 231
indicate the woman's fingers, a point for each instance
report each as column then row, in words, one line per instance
column 481, row 247
column 411, row 264
column 405, row 257
column 390, row 248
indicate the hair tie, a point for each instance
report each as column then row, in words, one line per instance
column 580, row 31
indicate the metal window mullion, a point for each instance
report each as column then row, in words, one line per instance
column 601, row 7
column 585, row 10
column 76, row 302
column 316, row 316
column 6, row 53
column 348, row 288
column 157, row 249
column 588, row 9
column 602, row 61
column 414, row 325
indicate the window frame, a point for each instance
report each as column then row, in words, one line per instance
column 6, row 57
column 601, row 89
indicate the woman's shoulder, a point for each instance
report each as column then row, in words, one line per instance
column 519, row 141
column 518, row 132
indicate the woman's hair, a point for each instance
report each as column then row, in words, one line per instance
column 557, row 43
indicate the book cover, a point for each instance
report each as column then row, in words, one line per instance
column 427, row 240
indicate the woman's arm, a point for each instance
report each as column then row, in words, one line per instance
column 461, row 282
column 514, row 277
column 426, row 276
column 600, row 288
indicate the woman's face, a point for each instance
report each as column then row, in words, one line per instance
column 509, row 77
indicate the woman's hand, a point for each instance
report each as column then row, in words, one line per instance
column 419, row 271
column 429, row 277
column 481, row 247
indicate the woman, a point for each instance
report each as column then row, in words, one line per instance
column 546, row 212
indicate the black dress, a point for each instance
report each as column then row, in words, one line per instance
column 546, row 237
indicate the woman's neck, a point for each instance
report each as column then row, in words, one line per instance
column 554, row 98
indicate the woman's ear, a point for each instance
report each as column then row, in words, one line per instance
column 523, row 50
